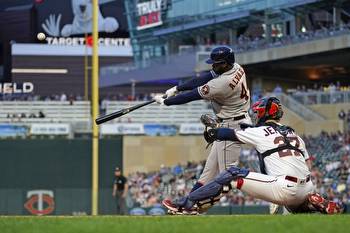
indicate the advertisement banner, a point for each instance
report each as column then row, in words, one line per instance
column 195, row 128
column 116, row 129
column 16, row 88
column 150, row 13
column 12, row 130
column 50, row 129
column 68, row 18
column 160, row 130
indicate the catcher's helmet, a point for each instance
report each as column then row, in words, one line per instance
column 267, row 108
column 221, row 54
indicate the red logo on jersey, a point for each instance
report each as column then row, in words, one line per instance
column 205, row 89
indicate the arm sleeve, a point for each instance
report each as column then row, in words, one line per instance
column 183, row 98
column 225, row 134
column 196, row 82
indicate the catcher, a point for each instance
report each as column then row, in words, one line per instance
column 284, row 162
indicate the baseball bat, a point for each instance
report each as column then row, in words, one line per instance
column 104, row 118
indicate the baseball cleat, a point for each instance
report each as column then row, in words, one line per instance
column 274, row 208
column 170, row 206
column 175, row 210
column 183, row 212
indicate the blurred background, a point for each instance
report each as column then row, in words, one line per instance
column 298, row 50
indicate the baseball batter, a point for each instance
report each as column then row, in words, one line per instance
column 225, row 86
column 285, row 178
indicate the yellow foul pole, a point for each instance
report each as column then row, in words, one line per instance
column 95, row 108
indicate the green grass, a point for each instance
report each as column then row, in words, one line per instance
column 164, row 224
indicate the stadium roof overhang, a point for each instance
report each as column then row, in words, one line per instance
column 325, row 67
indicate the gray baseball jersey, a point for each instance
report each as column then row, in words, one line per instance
column 228, row 93
column 230, row 98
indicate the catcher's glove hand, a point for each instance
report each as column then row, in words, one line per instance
column 209, row 121
column 210, row 135
column 207, row 138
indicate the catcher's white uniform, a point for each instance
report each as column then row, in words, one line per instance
column 230, row 99
column 287, row 181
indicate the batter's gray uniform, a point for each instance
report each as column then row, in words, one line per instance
column 230, row 99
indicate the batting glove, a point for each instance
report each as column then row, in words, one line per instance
column 159, row 99
column 171, row 92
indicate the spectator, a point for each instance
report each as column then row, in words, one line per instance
column 177, row 170
column 120, row 190
column 342, row 114
column 278, row 89
column 348, row 119
column 41, row 114
column 63, row 97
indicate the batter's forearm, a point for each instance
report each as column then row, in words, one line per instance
column 183, row 98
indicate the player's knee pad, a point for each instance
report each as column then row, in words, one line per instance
column 232, row 173
column 208, row 195
column 212, row 192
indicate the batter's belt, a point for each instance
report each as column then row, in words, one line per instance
column 236, row 118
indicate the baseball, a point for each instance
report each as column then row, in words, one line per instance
column 41, row 36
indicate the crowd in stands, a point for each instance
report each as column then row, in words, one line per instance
column 329, row 153
column 330, row 88
column 249, row 43
column 253, row 41
column 71, row 97
column 17, row 117
column 33, row 97
column 300, row 89
column 307, row 94
column 316, row 87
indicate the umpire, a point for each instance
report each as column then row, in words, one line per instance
column 120, row 190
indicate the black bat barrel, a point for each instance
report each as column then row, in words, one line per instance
column 104, row 118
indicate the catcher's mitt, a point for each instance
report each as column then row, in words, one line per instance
column 209, row 122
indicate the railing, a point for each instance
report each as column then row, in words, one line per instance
column 320, row 97
column 298, row 108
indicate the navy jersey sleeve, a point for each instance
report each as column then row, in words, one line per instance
column 196, row 82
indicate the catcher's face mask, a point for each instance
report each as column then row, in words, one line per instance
column 264, row 109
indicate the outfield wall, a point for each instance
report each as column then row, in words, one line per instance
column 60, row 169
column 53, row 177
column 146, row 153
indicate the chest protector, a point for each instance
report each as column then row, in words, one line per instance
column 283, row 130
